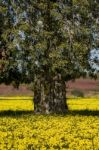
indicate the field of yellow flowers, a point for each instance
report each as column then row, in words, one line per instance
column 26, row 131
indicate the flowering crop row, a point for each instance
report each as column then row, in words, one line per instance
column 43, row 132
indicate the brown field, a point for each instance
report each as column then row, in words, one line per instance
column 87, row 86
column 9, row 90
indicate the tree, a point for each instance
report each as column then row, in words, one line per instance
column 54, row 40
column 9, row 52
column 2, row 41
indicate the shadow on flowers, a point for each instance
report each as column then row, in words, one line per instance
column 19, row 113
column 14, row 113
column 85, row 112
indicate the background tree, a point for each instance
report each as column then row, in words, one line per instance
column 51, row 45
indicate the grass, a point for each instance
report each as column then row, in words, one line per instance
column 20, row 129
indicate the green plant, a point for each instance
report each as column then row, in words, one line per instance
column 77, row 93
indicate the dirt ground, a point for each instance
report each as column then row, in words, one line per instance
column 87, row 86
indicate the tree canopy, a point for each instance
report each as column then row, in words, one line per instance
column 47, row 40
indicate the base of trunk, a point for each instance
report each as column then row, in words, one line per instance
column 50, row 97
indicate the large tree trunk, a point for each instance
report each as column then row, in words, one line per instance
column 59, row 104
column 50, row 96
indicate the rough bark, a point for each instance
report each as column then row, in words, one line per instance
column 59, row 96
column 37, row 95
column 50, row 96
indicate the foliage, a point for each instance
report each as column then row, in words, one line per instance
column 54, row 37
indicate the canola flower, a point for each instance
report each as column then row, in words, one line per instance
column 53, row 132
column 83, row 104
column 16, row 103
